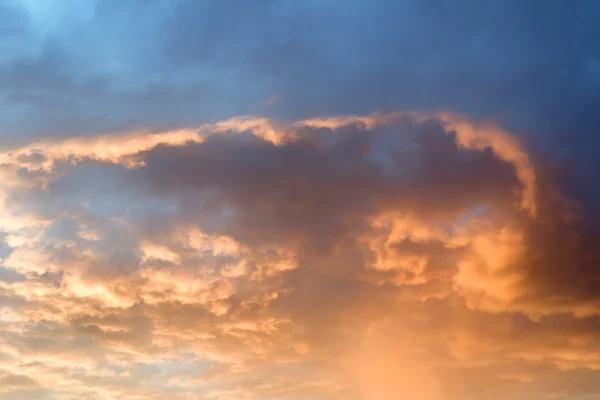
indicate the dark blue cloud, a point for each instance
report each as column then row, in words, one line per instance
column 118, row 64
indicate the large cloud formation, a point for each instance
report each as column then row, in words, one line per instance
column 383, row 256
column 303, row 246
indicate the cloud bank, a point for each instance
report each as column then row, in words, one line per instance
column 302, row 246
column 380, row 256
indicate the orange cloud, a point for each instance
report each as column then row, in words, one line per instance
column 351, row 257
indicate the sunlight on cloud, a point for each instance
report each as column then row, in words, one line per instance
column 307, row 258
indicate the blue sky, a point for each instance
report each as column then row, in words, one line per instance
column 72, row 67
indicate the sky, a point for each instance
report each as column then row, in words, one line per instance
column 299, row 200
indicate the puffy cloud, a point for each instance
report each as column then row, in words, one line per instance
column 360, row 257
column 313, row 251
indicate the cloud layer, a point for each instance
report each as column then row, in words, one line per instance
column 367, row 257
column 303, row 246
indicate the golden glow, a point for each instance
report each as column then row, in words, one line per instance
column 328, row 283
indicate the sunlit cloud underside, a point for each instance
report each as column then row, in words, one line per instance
column 384, row 256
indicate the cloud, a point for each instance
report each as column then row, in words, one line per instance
column 357, row 256
column 316, row 250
